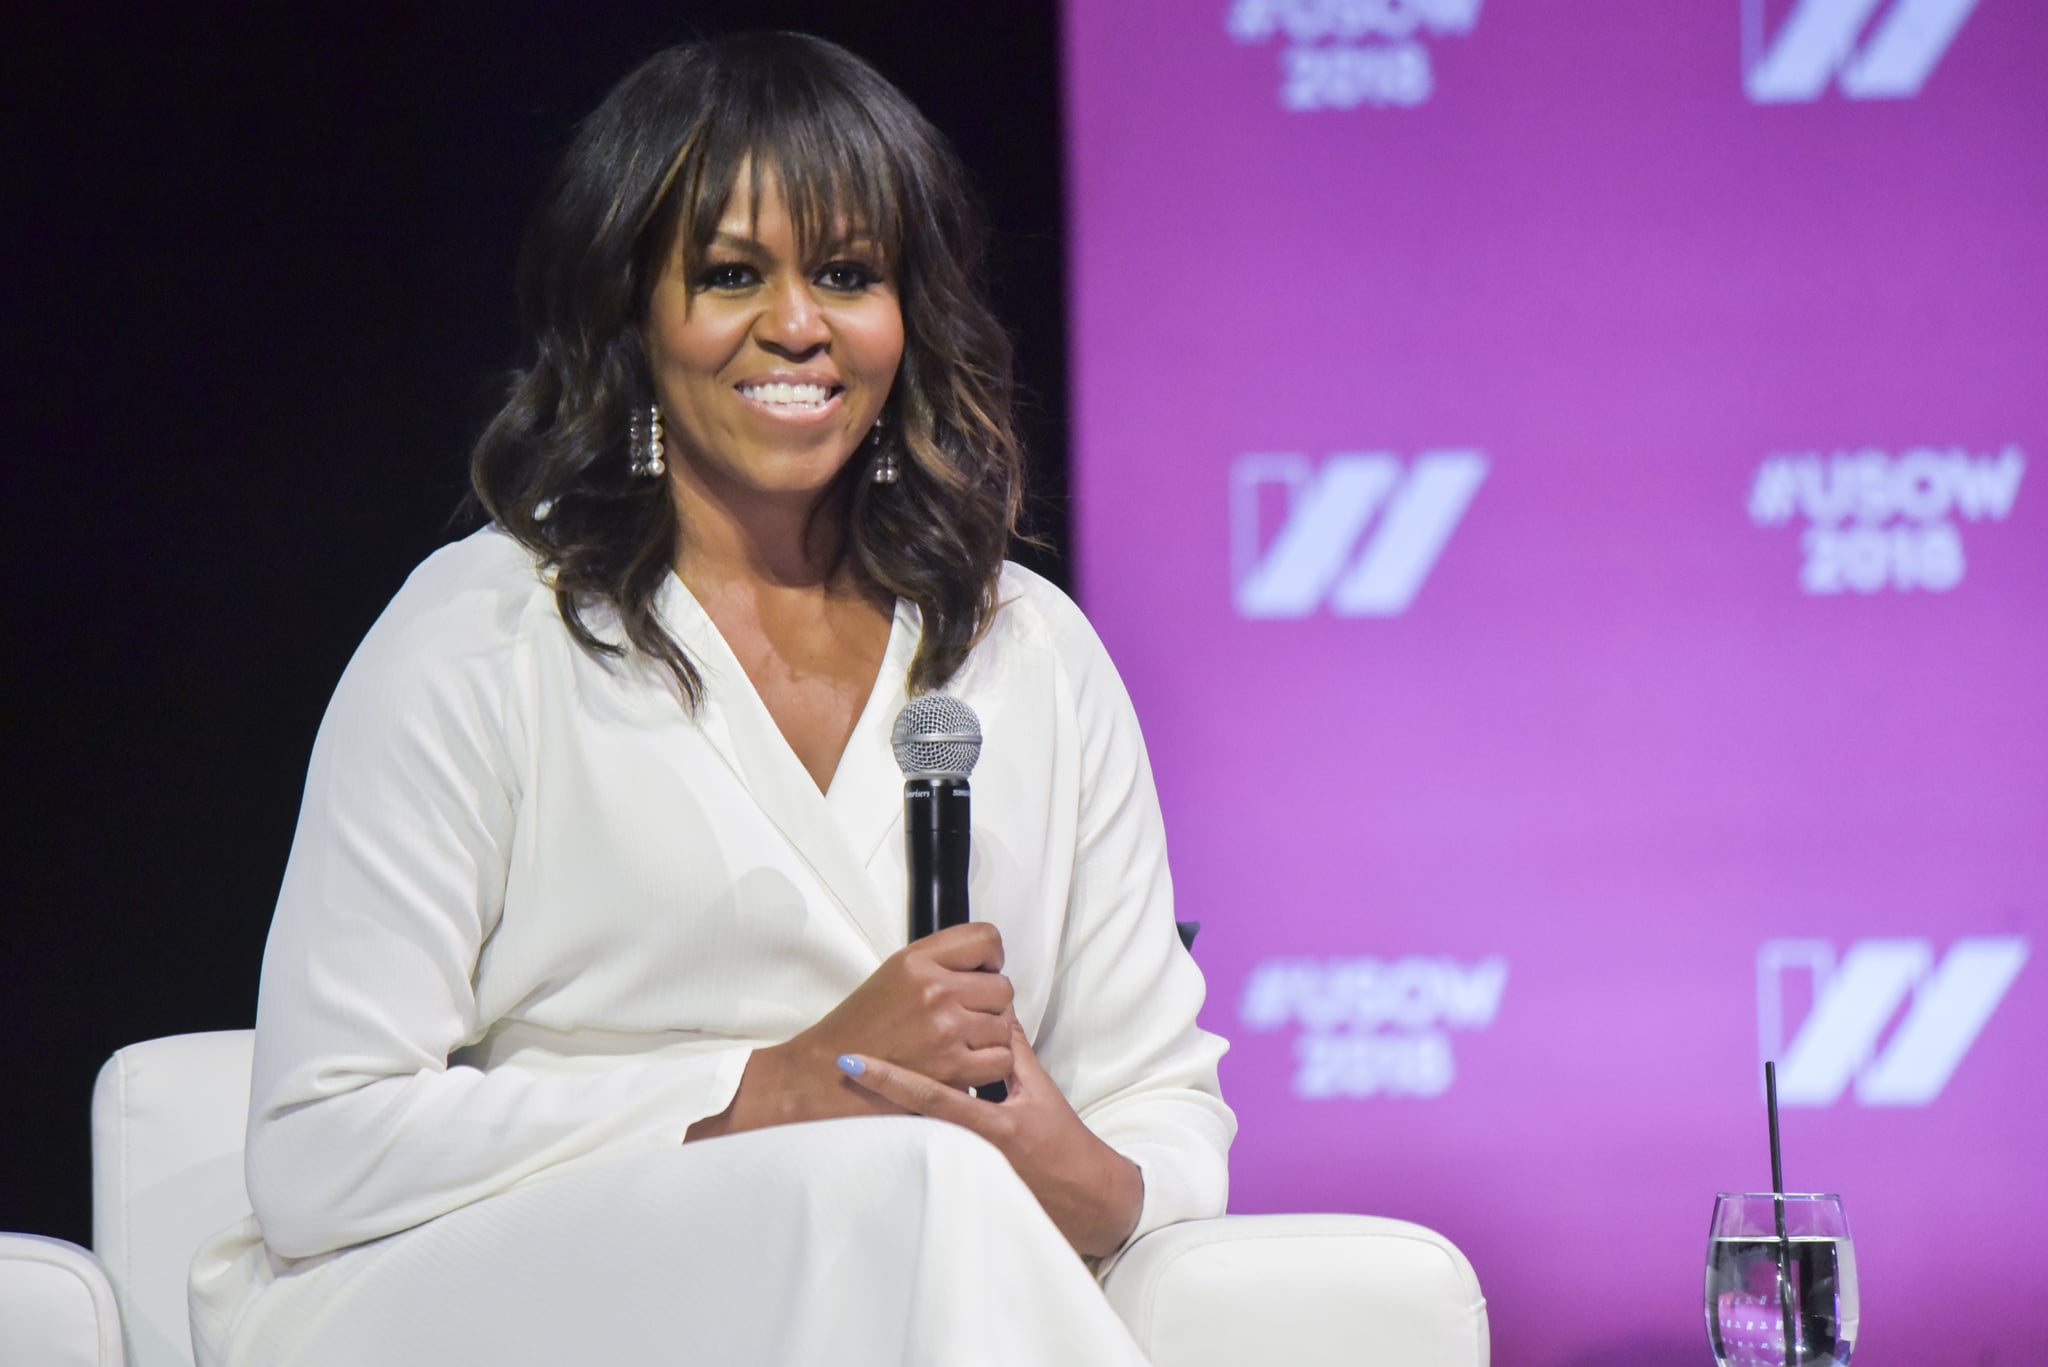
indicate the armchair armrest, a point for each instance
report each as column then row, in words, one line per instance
column 1307, row 1290
column 56, row 1306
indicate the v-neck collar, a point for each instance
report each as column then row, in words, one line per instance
column 836, row 831
column 867, row 788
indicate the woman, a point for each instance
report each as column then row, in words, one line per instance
column 596, row 902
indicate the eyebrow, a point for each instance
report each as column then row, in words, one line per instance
column 734, row 242
column 849, row 241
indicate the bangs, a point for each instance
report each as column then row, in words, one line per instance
column 819, row 141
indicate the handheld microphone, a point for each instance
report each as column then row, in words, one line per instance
column 937, row 740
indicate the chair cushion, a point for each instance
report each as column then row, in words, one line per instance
column 1306, row 1290
column 56, row 1308
column 168, row 1117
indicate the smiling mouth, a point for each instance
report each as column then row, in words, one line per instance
column 790, row 398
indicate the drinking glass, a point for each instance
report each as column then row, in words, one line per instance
column 1774, row 1261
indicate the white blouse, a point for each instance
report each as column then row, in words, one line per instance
column 538, row 911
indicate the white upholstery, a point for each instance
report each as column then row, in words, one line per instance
column 56, row 1308
column 1305, row 1290
column 167, row 1122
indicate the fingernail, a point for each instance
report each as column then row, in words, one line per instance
column 851, row 1066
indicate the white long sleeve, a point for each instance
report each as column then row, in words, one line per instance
column 360, row 1125
column 1119, row 1033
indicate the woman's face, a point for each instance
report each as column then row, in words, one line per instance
column 771, row 367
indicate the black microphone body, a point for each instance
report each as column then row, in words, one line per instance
column 938, row 831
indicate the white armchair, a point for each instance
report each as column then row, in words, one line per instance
column 167, row 1116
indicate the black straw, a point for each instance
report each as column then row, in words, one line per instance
column 1777, row 1160
column 1778, row 1210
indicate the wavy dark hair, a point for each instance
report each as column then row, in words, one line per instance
column 655, row 165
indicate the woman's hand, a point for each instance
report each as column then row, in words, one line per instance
column 939, row 1007
column 1092, row 1192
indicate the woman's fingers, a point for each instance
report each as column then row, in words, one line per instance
column 1023, row 1062
column 938, row 1007
column 978, row 1031
column 985, row 1066
column 990, row 993
column 913, row 1091
column 965, row 948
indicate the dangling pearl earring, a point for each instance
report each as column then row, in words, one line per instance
column 884, row 471
column 643, row 443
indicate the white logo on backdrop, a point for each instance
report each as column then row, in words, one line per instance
column 1341, row 54
column 1818, row 42
column 1876, row 521
column 1317, row 554
column 1373, row 1028
column 1853, row 1000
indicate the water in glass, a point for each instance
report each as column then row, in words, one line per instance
column 1746, row 1302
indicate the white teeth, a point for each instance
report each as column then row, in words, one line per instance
column 788, row 395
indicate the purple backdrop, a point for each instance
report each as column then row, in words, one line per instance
column 1555, row 479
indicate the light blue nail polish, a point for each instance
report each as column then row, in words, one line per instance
column 851, row 1066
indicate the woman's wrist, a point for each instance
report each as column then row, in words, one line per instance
column 783, row 1084
column 759, row 1081
column 1122, row 1205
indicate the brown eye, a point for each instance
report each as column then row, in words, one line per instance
column 847, row 277
column 725, row 277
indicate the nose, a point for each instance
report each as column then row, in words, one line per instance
column 792, row 324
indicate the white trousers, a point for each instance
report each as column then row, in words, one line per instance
column 885, row 1241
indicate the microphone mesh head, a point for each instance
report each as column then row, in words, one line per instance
column 936, row 736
